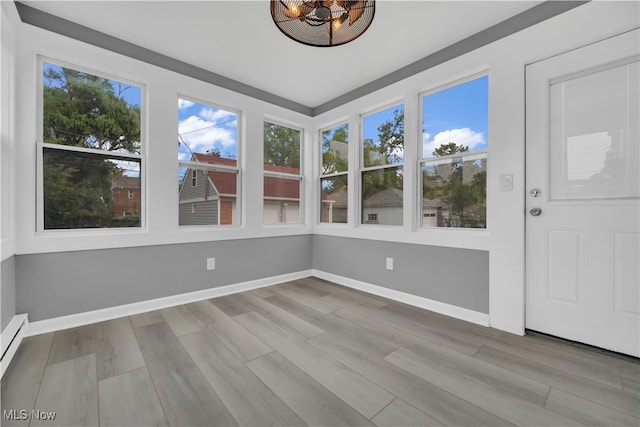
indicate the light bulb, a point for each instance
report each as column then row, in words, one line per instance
column 292, row 11
column 338, row 22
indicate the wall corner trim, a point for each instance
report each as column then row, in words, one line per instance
column 417, row 301
column 104, row 314
column 10, row 339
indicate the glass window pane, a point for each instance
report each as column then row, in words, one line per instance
column 333, row 201
column 281, row 204
column 282, row 147
column 205, row 130
column 383, row 137
column 335, row 150
column 382, row 198
column 595, row 152
column 454, row 193
column 281, row 200
column 455, row 118
column 83, row 190
column 83, row 110
column 207, row 196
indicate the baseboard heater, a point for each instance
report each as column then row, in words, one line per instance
column 10, row 340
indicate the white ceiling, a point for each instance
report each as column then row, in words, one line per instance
column 238, row 40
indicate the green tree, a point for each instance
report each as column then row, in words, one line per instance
column 449, row 149
column 281, row 146
column 389, row 147
column 213, row 152
column 460, row 186
column 334, row 150
column 387, row 150
column 87, row 111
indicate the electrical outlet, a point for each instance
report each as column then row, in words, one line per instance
column 211, row 263
column 389, row 263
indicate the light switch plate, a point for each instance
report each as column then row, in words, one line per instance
column 506, row 182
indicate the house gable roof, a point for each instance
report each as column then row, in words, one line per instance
column 125, row 182
column 274, row 187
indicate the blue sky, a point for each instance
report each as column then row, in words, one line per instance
column 204, row 127
column 458, row 114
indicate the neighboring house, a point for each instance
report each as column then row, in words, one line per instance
column 434, row 213
column 281, row 196
column 125, row 196
column 385, row 207
column 209, row 197
column 334, row 205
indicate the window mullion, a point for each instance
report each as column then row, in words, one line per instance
column 109, row 154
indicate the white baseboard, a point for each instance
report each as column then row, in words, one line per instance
column 101, row 315
column 89, row 317
column 10, row 340
column 426, row 303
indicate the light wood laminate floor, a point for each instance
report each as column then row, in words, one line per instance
column 310, row 352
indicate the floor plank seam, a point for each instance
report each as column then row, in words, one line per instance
column 35, row 400
column 369, row 359
column 153, row 382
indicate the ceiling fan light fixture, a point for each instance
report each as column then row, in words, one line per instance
column 323, row 22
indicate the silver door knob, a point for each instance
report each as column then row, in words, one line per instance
column 535, row 211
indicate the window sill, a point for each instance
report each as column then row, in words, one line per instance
column 454, row 238
column 80, row 240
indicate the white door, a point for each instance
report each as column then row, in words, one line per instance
column 583, row 188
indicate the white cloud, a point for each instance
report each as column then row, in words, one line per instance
column 216, row 116
column 201, row 135
column 183, row 103
column 463, row 136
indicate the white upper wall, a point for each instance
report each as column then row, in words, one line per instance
column 8, row 17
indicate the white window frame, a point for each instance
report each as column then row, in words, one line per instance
column 363, row 169
column 194, row 166
column 41, row 145
column 281, row 175
column 465, row 156
column 335, row 174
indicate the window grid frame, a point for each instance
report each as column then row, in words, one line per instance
column 41, row 146
column 345, row 173
column 284, row 175
column 364, row 169
column 209, row 167
column 464, row 156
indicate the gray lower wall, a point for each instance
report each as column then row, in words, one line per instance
column 458, row 277
column 7, row 291
column 58, row 284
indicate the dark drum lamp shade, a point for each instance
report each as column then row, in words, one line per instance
column 323, row 22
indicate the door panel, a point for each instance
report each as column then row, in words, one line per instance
column 564, row 266
column 626, row 274
column 583, row 161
